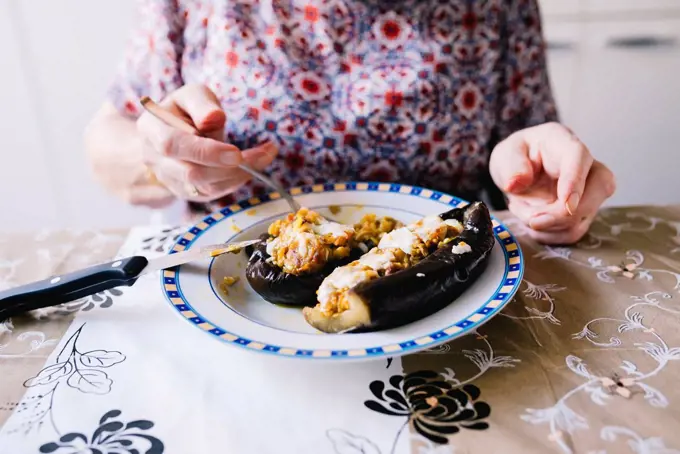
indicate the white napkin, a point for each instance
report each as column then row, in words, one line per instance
column 136, row 376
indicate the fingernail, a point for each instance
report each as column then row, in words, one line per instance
column 230, row 158
column 516, row 184
column 262, row 159
column 572, row 203
column 542, row 221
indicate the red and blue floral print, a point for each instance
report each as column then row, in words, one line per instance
column 411, row 91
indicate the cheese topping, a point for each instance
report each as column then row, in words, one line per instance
column 430, row 228
column 378, row 259
column 334, row 229
column 402, row 238
column 304, row 242
column 455, row 224
column 272, row 246
column 461, row 248
column 421, row 234
column 340, row 279
column 396, row 250
column 368, row 267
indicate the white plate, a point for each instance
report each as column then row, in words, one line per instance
column 242, row 318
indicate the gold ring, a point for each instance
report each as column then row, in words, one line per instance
column 151, row 177
column 191, row 189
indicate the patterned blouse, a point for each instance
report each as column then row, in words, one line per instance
column 413, row 91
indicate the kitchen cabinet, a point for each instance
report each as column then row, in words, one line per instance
column 624, row 103
column 564, row 41
column 607, row 9
column 614, row 69
column 624, row 7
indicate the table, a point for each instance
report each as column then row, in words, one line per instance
column 584, row 360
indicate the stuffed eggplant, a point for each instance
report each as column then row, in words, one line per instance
column 414, row 271
column 299, row 251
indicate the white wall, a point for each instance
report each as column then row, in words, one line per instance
column 59, row 55
column 58, row 59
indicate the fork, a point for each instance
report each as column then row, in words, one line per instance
column 177, row 122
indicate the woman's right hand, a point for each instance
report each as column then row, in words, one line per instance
column 182, row 161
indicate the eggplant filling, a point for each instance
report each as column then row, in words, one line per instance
column 413, row 272
column 303, row 248
column 370, row 229
column 396, row 250
column 304, row 242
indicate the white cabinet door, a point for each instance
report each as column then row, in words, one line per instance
column 559, row 7
column 563, row 41
column 629, row 6
column 627, row 95
column 27, row 188
column 74, row 47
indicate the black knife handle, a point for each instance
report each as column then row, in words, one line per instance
column 68, row 287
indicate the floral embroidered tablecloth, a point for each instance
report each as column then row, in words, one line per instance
column 584, row 360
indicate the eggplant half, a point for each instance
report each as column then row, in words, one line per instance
column 278, row 287
column 370, row 295
column 275, row 285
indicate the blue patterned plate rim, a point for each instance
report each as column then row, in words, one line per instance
column 512, row 278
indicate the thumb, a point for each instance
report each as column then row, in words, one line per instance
column 261, row 156
column 575, row 164
column 510, row 166
column 203, row 108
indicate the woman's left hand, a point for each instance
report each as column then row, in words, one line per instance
column 552, row 182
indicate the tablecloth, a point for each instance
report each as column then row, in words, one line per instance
column 583, row 360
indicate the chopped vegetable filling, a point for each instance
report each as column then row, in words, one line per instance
column 304, row 242
column 397, row 250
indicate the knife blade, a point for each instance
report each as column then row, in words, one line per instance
column 57, row 290
column 180, row 258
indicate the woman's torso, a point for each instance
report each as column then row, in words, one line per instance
column 407, row 91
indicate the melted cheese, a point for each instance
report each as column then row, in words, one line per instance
column 455, row 224
column 340, row 279
column 335, row 229
column 402, row 238
column 426, row 230
column 304, row 241
column 272, row 246
column 429, row 228
column 354, row 274
column 377, row 259
column 461, row 248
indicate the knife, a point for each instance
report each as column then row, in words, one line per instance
column 88, row 281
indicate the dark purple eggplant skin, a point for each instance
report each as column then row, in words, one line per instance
column 404, row 297
column 278, row 287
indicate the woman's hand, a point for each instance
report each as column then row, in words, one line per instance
column 186, row 163
column 552, row 182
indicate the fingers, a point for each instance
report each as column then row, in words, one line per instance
column 510, row 166
column 555, row 152
column 202, row 107
column 211, row 182
column 566, row 237
column 259, row 158
column 171, row 143
column 181, row 177
column 574, row 170
column 547, row 227
column 564, row 158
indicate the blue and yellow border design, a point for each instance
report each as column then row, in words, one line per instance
column 514, row 272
